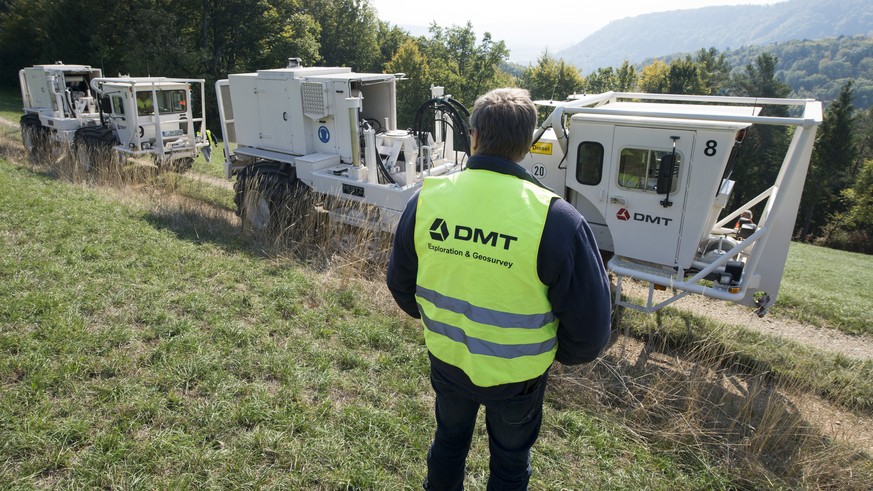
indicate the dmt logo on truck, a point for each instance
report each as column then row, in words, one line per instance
column 625, row 215
column 439, row 230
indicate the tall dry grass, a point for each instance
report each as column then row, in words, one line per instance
column 686, row 400
column 307, row 231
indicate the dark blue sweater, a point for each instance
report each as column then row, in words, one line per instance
column 568, row 263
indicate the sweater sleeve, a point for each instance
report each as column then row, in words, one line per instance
column 403, row 263
column 569, row 263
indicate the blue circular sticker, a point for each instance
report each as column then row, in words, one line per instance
column 323, row 134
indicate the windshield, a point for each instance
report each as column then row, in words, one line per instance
column 169, row 101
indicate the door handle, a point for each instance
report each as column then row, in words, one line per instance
column 616, row 200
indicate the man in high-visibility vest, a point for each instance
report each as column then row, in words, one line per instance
column 210, row 141
column 144, row 103
column 506, row 278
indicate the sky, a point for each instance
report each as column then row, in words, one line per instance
column 529, row 27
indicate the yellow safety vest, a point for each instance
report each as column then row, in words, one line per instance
column 483, row 306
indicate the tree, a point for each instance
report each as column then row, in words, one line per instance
column 288, row 33
column 390, row 39
column 852, row 229
column 864, row 130
column 348, row 33
column 274, row 31
column 466, row 69
column 415, row 90
column 714, row 71
column 760, row 156
column 683, row 77
column 627, row 77
column 602, row 80
column 551, row 79
column 830, row 168
column 654, row 78
column 21, row 40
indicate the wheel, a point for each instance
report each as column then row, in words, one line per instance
column 34, row 137
column 92, row 146
column 261, row 199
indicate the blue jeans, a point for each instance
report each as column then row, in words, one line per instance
column 513, row 426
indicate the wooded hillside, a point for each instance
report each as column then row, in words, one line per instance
column 814, row 68
column 662, row 33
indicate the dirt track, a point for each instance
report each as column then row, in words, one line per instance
column 830, row 340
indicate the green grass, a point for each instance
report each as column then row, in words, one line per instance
column 10, row 104
column 146, row 342
column 140, row 351
column 215, row 166
column 829, row 288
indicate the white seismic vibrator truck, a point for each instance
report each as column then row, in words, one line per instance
column 96, row 116
column 651, row 173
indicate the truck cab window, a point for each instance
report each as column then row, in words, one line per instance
column 638, row 169
column 589, row 163
column 171, row 101
column 117, row 105
column 144, row 104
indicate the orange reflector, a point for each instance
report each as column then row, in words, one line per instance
column 660, row 288
column 734, row 289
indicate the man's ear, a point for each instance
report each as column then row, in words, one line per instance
column 474, row 140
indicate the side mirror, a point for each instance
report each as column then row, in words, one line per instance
column 665, row 174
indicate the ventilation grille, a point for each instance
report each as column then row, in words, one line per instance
column 315, row 100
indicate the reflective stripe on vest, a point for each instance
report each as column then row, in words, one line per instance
column 485, row 311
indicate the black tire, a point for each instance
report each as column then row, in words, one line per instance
column 34, row 137
column 262, row 198
column 93, row 146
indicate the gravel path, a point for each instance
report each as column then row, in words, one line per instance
column 831, row 340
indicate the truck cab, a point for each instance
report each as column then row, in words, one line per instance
column 651, row 175
column 154, row 116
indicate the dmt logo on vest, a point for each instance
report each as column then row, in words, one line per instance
column 439, row 230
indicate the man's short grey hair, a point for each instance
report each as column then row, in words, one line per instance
column 505, row 120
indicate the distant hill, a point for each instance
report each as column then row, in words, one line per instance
column 652, row 35
column 812, row 68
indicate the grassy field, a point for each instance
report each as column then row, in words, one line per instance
column 136, row 352
column 10, row 104
column 147, row 342
column 827, row 287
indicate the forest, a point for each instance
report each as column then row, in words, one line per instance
column 212, row 38
column 814, row 68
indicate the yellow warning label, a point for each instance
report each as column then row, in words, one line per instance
column 541, row 148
